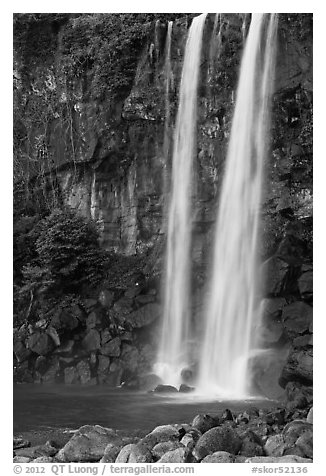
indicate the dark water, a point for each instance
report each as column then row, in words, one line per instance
column 40, row 407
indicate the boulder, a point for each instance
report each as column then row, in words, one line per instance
column 271, row 331
column 111, row 348
column 305, row 283
column 186, row 389
column 21, row 353
column 123, row 306
column 21, row 459
column 126, row 337
column 70, row 375
column 219, row 457
column 295, row 391
column 91, row 320
column 190, row 438
column 179, row 455
column 40, row 343
column 88, row 444
column 113, row 379
column 251, row 444
column 106, row 336
column 65, row 320
column 161, row 434
column 305, row 444
column 161, row 448
column 165, row 389
column 297, row 318
column 272, row 307
column 65, row 347
column 84, row 371
column 144, row 316
column 129, row 357
column 110, row 453
column 204, row 422
column 43, row 459
column 124, row 453
column 48, row 449
column 227, row 415
column 41, row 364
column 51, row 331
column 310, row 416
column 274, row 445
column 52, row 373
column 221, row 438
column 103, row 364
column 242, row 418
column 275, row 270
column 299, row 367
column 272, row 327
column 106, row 298
column 295, row 429
column 92, row 340
column 134, row 453
column 303, row 341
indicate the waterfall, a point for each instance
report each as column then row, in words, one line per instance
column 173, row 354
column 167, row 70
column 233, row 299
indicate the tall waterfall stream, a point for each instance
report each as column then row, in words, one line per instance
column 173, row 353
column 232, row 310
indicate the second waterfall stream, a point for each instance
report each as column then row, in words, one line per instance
column 233, row 303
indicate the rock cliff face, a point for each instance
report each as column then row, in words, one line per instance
column 105, row 155
column 107, row 151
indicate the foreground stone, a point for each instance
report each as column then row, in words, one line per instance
column 161, row 448
column 310, row 416
column 179, row 455
column 134, row 453
column 219, row 457
column 88, row 444
column 204, row 422
column 43, row 459
column 161, row 434
column 221, row 438
column 190, row 438
column 110, row 454
column 165, row 389
column 21, row 459
column 37, row 451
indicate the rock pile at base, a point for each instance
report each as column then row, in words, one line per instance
column 258, row 436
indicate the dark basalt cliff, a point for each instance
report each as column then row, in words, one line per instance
column 90, row 132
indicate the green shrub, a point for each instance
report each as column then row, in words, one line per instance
column 65, row 259
column 68, row 253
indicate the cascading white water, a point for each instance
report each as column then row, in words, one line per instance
column 173, row 354
column 168, row 73
column 233, row 299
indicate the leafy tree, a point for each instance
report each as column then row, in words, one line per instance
column 66, row 260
